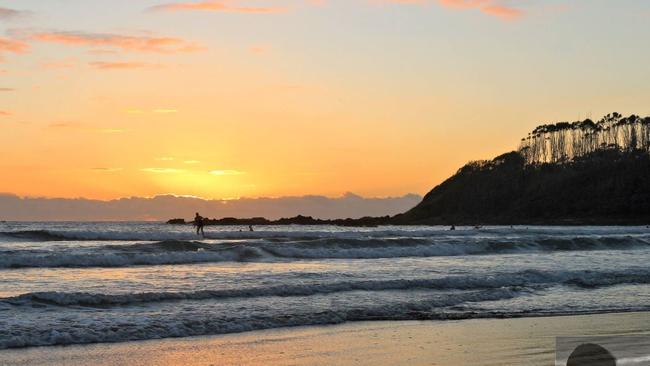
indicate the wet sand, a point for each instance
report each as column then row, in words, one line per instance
column 529, row 341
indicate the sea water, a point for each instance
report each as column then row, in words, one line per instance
column 73, row 283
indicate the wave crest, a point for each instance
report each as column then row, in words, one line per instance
column 524, row 280
column 278, row 248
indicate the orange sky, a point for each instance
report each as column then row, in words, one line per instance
column 236, row 98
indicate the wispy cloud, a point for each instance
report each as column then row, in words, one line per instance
column 12, row 46
column 7, row 89
column 11, row 14
column 162, row 170
column 107, row 170
column 464, row 4
column 192, row 162
column 4, row 113
column 504, row 12
column 165, row 111
column 103, row 65
column 218, row 6
column 65, row 125
column 496, row 8
column 226, row 172
column 136, row 43
column 164, row 158
column 489, row 7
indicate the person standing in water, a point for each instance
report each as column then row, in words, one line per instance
column 250, row 228
column 198, row 222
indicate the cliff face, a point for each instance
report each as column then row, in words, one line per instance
column 608, row 186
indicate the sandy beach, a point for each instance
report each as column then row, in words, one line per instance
column 529, row 341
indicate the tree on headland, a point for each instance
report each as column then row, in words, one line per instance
column 565, row 141
column 581, row 172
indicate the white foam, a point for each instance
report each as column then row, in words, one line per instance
column 115, row 254
column 524, row 280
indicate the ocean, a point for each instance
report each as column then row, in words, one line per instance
column 77, row 283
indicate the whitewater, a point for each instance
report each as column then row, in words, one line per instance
column 74, row 283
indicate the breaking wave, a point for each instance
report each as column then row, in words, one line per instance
column 524, row 280
column 163, row 253
column 116, row 254
column 103, row 326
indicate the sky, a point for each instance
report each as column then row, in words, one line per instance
column 105, row 99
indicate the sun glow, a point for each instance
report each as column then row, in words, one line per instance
column 276, row 103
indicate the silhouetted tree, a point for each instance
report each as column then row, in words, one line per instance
column 563, row 142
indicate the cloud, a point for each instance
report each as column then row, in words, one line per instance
column 464, row 4
column 102, row 65
column 164, row 158
column 11, row 14
column 494, row 8
column 217, row 6
column 162, row 170
column 64, row 125
column 502, row 12
column 4, row 113
column 165, row 111
column 489, row 7
column 192, row 162
column 170, row 206
column 135, row 43
column 107, row 170
column 226, row 172
column 7, row 89
column 12, row 46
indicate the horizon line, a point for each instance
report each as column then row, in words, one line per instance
column 225, row 199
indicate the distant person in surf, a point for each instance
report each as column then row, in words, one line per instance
column 452, row 228
column 250, row 228
column 198, row 222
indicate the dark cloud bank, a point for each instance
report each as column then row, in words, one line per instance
column 165, row 207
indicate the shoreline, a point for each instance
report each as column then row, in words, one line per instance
column 487, row 341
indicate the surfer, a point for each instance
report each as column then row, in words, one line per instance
column 198, row 222
column 250, row 228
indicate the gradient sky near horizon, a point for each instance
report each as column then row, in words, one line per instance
column 222, row 99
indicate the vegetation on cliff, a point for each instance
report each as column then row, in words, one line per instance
column 565, row 173
column 563, row 142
